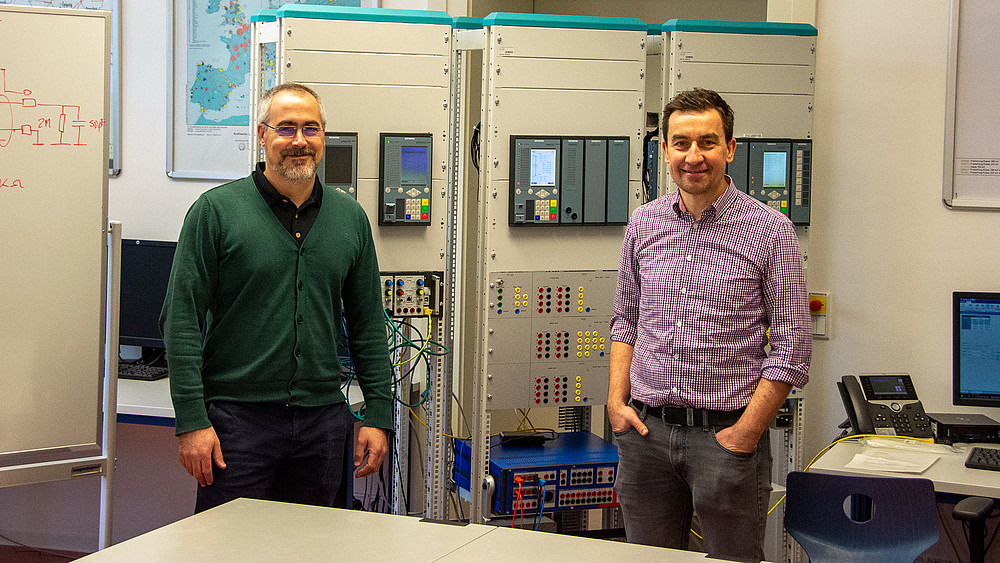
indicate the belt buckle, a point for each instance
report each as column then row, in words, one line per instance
column 690, row 416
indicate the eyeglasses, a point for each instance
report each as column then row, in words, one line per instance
column 290, row 130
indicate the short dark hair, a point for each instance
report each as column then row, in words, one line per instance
column 700, row 100
column 264, row 106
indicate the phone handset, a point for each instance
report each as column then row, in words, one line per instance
column 857, row 408
column 884, row 404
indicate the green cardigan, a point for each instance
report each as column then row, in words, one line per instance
column 252, row 316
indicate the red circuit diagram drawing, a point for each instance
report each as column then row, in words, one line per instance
column 24, row 117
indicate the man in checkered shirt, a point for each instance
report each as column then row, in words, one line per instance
column 709, row 277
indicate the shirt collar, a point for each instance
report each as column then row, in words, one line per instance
column 272, row 196
column 716, row 209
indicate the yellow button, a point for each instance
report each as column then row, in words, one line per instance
column 578, row 386
column 579, row 347
column 579, row 341
column 424, row 201
column 580, row 302
column 586, row 347
column 578, row 399
column 580, row 333
column 586, row 340
column 578, row 378
column 580, row 309
column 581, row 289
column 517, row 289
column 577, row 389
column 579, row 354
column 602, row 346
column 602, row 340
column 587, row 354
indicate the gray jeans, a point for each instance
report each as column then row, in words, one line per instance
column 676, row 471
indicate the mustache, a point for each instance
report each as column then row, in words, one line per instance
column 304, row 151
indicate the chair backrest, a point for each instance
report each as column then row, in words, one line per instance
column 900, row 520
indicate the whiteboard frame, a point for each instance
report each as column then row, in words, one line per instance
column 87, row 459
column 950, row 135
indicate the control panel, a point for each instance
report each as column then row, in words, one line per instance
column 405, row 179
column 777, row 172
column 339, row 166
column 574, row 471
column 410, row 294
column 568, row 180
column 548, row 342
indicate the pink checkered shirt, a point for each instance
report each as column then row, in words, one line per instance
column 696, row 300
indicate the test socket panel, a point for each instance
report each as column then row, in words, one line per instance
column 552, row 81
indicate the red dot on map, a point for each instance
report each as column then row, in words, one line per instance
column 232, row 58
column 239, row 31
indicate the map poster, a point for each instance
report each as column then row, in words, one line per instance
column 211, row 132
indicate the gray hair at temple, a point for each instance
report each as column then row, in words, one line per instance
column 264, row 107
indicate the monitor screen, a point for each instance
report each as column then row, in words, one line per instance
column 976, row 348
column 145, row 271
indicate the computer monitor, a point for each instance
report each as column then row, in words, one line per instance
column 976, row 348
column 145, row 271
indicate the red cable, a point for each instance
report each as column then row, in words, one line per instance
column 519, row 502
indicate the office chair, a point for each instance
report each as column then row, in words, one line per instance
column 974, row 511
column 891, row 518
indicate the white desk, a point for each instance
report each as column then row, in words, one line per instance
column 145, row 399
column 148, row 402
column 949, row 474
column 255, row 530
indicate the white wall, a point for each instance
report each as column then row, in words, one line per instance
column 882, row 243
column 149, row 204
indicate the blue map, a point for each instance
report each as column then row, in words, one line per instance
column 219, row 56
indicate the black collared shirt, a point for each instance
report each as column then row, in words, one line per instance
column 297, row 221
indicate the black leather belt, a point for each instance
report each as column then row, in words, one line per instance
column 690, row 417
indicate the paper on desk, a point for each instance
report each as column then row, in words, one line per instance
column 892, row 460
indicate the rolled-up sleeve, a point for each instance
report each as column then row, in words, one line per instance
column 625, row 320
column 787, row 307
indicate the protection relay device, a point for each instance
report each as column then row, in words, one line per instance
column 405, row 181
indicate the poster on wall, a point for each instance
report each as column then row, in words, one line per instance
column 971, row 154
column 210, row 133
column 114, row 120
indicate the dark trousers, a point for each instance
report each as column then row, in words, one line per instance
column 673, row 472
column 278, row 452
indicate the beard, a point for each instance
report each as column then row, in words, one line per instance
column 297, row 172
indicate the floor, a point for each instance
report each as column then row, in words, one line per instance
column 15, row 554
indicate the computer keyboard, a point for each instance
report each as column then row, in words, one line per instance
column 983, row 458
column 143, row 372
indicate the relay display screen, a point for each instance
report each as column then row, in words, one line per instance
column 543, row 167
column 413, row 165
column 339, row 167
column 775, row 169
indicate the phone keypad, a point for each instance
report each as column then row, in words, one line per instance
column 905, row 423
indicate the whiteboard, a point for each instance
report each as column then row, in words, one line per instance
column 54, row 107
column 972, row 153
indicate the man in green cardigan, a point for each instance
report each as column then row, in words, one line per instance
column 267, row 272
